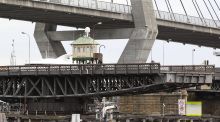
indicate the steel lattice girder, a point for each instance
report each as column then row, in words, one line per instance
column 98, row 80
column 83, row 86
column 72, row 86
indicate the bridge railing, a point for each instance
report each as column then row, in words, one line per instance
column 144, row 68
column 80, row 69
column 127, row 9
column 187, row 19
column 199, row 69
column 93, row 4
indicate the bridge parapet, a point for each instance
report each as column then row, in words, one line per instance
column 192, row 20
column 93, row 4
column 87, row 69
column 193, row 69
column 188, row 74
column 96, row 69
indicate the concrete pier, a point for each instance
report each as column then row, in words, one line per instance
column 48, row 48
column 144, row 34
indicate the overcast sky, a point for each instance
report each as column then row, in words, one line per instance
column 175, row 53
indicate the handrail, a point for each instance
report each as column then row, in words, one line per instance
column 93, row 4
column 127, row 9
column 201, row 69
column 143, row 68
column 187, row 19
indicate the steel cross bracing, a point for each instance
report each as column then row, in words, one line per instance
column 102, row 80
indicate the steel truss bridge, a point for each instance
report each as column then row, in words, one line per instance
column 48, row 81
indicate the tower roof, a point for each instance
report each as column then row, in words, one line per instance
column 85, row 40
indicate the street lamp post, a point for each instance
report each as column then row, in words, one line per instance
column 93, row 29
column 29, row 46
column 163, row 109
column 193, row 51
column 93, row 35
column 100, row 48
column 163, row 53
column 127, row 2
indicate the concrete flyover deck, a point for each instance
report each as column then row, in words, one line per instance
column 78, row 14
column 82, row 13
column 172, row 27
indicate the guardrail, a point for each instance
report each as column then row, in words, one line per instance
column 187, row 19
column 80, row 69
column 145, row 68
column 93, row 4
column 199, row 69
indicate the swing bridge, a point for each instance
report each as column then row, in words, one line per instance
column 49, row 81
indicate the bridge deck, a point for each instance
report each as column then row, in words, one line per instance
column 101, row 79
column 179, row 28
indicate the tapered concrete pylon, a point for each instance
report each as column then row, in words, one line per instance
column 144, row 34
column 48, row 48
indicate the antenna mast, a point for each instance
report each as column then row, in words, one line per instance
column 13, row 57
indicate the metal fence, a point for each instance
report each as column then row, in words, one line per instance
column 187, row 19
column 145, row 68
column 110, row 69
column 93, row 4
column 206, row 69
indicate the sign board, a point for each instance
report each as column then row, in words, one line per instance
column 182, row 106
column 75, row 118
column 194, row 108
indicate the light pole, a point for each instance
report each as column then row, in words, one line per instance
column 163, row 53
column 93, row 34
column 163, row 109
column 13, row 57
column 127, row 2
column 100, row 47
column 29, row 46
column 93, row 29
column 193, row 51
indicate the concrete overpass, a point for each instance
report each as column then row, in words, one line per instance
column 140, row 23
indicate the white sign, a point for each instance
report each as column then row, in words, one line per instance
column 182, row 106
column 194, row 108
column 75, row 118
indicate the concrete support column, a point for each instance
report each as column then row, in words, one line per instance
column 144, row 120
column 48, row 48
column 143, row 35
column 29, row 120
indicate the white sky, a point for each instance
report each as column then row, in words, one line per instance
column 175, row 53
